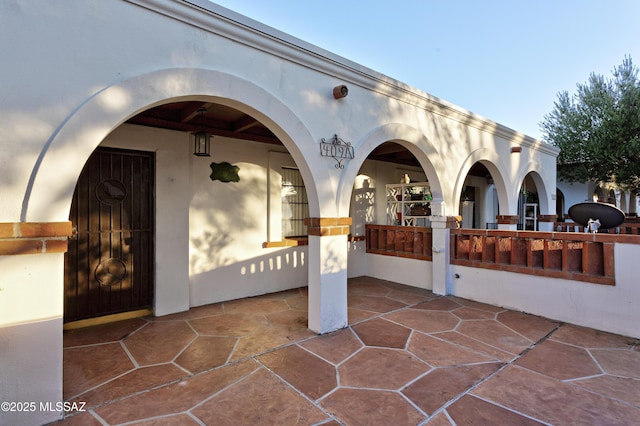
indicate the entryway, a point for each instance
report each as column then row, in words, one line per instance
column 109, row 267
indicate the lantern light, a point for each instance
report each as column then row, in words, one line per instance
column 202, row 139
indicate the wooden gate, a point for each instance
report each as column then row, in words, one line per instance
column 109, row 268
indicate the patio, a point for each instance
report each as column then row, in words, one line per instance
column 408, row 357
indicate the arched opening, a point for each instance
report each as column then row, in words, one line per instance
column 243, row 224
column 216, row 239
column 478, row 205
column 528, row 204
column 391, row 188
column 407, row 190
column 392, row 194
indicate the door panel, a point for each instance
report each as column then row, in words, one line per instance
column 109, row 267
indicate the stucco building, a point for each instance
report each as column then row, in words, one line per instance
column 99, row 107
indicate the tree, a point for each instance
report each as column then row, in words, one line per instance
column 598, row 130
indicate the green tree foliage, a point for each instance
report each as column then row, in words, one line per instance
column 598, row 130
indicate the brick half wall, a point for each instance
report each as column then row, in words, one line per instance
column 34, row 237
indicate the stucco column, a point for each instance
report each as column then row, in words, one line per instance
column 441, row 253
column 31, row 311
column 328, row 253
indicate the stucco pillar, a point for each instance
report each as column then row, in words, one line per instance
column 441, row 253
column 31, row 311
column 328, row 253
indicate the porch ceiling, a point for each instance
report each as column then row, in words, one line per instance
column 220, row 120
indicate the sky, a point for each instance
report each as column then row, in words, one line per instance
column 506, row 60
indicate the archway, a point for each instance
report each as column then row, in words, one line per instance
column 528, row 205
column 391, row 189
column 397, row 144
column 51, row 188
column 378, row 198
column 479, row 204
column 481, row 180
column 533, row 201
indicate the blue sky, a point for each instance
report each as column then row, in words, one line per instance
column 504, row 60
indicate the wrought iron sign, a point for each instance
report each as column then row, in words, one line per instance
column 338, row 149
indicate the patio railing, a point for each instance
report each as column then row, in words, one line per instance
column 571, row 256
column 403, row 241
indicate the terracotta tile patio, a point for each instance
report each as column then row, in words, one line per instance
column 409, row 357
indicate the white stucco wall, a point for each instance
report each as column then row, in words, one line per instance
column 416, row 273
column 209, row 234
column 574, row 193
column 229, row 222
column 30, row 335
column 102, row 77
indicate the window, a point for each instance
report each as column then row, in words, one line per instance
column 295, row 206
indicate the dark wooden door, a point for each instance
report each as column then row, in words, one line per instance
column 109, row 267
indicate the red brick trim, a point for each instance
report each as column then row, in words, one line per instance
column 287, row 242
column 325, row 226
column 547, row 217
column 34, row 237
column 505, row 219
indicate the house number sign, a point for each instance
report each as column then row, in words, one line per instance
column 337, row 149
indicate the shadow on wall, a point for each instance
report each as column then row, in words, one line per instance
column 364, row 203
column 208, row 247
column 279, row 270
column 219, row 231
column 281, row 261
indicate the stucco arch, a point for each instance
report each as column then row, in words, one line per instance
column 543, row 192
column 53, row 178
column 410, row 138
column 491, row 160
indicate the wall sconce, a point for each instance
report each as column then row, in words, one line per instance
column 202, row 139
column 340, row 91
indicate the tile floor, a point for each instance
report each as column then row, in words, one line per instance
column 409, row 357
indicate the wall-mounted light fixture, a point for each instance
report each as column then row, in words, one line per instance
column 202, row 139
column 340, row 91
